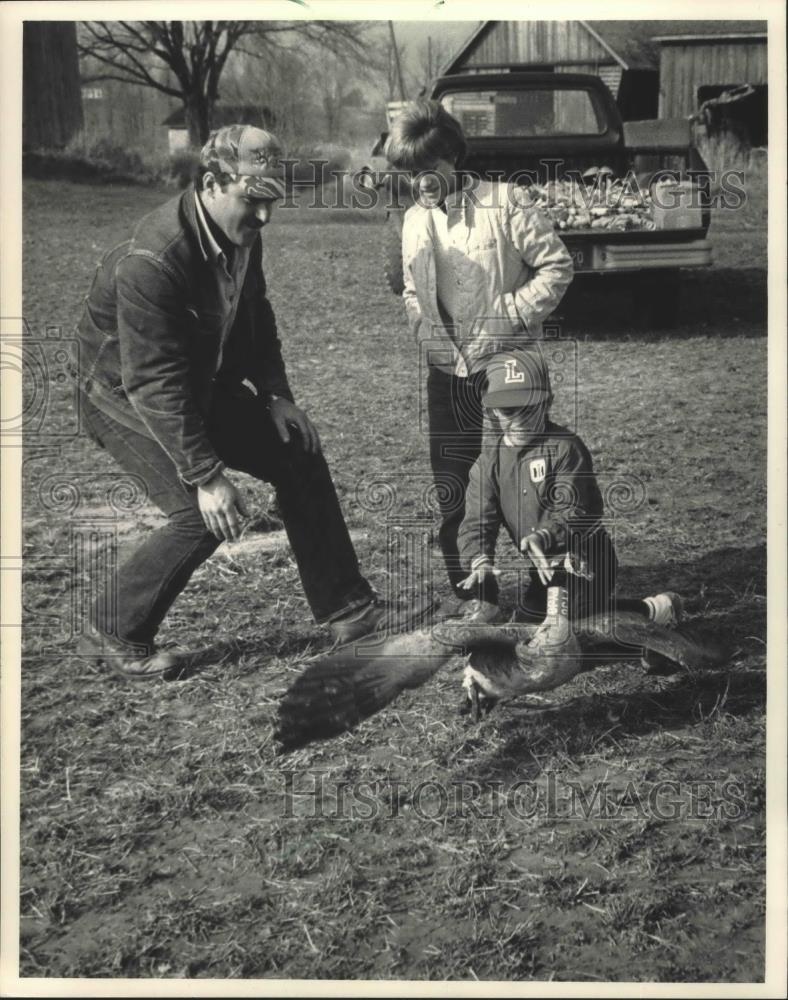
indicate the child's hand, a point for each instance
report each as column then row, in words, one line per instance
column 531, row 546
column 577, row 566
column 484, row 569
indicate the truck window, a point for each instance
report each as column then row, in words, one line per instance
column 514, row 113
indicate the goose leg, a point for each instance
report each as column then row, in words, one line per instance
column 488, row 703
column 477, row 701
column 467, row 687
column 471, row 703
column 475, row 708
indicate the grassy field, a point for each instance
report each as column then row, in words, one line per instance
column 161, row 836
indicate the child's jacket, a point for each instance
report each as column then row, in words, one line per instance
column 547, row 486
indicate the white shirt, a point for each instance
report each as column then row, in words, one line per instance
column 511, row 271
column 446, row 276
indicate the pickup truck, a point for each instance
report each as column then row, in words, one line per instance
column 561, row 135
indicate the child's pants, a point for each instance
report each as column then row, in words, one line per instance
column 586, row 597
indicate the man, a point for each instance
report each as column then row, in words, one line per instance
column 482, row 269
column 175, row 329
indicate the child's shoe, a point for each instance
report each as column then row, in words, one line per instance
column 665, row 609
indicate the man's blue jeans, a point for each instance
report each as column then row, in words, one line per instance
column 245, row 438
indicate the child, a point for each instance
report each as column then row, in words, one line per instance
column 538, row 480
column 482, row 269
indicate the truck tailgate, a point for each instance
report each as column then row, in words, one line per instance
column 596, row 251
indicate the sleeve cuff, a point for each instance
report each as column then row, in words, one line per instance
column 480, row 561
column 269, row 392
column 200, row 478
column 546, row 536
column 510, row 307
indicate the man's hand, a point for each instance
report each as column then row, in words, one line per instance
column 285, row 415
column 532, row 546
column 221, row 507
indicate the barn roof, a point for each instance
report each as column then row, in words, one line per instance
column 635, row 41
column 632, row 44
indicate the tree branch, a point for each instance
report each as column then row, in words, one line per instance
column 196, row 53
column 117, row 51
column 127, row 74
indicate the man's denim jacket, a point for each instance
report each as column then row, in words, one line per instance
column 149, row 339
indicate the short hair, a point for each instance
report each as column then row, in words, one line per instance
column 201, row 170
column 422, row 132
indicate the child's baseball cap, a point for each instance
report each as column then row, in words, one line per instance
column 250, row 155
column 516, row 378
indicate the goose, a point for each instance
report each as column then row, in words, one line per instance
column 339, row 690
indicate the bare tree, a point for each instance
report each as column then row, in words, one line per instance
column 434, row 52
column 280, row 77
column 394, row 54
column 52, row 99
column 343, row 93
column 186, row 59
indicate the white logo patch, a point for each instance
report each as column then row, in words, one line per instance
column 538, row 470
column 512, row 375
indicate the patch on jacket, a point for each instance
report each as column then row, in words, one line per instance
column 538, row 468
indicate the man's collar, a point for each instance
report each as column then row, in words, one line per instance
column 204, row 234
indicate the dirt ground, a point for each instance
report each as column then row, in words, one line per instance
column 612, row 832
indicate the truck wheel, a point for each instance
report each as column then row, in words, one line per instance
column 392, row 256
column 656, row 299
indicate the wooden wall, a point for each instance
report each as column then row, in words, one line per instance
column 552, row 42
column 564, row 45
column 684, row 67
column 611, row 75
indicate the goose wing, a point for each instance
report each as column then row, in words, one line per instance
column 685, row 644
column 336, row 692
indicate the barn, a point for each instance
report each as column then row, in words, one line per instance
column 223, row 114
column 620, row 52
column 720, row 81
column 654, row 69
